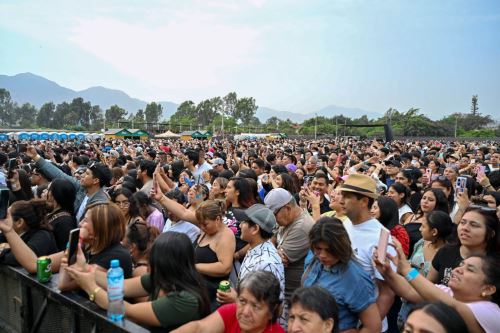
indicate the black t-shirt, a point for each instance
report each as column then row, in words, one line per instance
column 62, row 223
column 446, row 259
column 116, row 251
column 413, row 230
column 40, row 241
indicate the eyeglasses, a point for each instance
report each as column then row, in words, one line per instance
column 277, row 211
column 123, row 203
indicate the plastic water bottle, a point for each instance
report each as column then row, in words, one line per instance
column 116, row 307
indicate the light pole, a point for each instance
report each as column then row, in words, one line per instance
column 315, row 125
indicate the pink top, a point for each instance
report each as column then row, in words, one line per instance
column 486, row 313
column 155, row 219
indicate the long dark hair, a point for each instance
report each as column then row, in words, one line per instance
column 441, row 201
column 64, row 193
column 446, row 315
column 389, row 213
column 288, row 183
column 492, row 224
column 401, row 189
column 173, row 269
column 246, row 198
column 33, row 212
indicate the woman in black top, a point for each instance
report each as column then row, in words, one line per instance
column 214, row 248
column 478, row 233
column 101, row 231
column 26, row 220
column 61, row 196
column 432, row 199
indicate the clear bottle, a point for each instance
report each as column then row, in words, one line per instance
column 116, row 307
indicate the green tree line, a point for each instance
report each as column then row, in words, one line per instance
column 236, row 115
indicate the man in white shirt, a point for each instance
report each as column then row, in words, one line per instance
column 358, row 194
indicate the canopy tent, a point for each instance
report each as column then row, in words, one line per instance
column 167, row 134
column 4, row 137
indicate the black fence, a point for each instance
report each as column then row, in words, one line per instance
column 29, row 306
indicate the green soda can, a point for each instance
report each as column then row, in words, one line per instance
column 43, row 269
column 225, row 286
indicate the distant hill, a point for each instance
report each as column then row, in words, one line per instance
column 264, row 113
column 37, row 90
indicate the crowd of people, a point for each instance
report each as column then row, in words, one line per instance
column 294, row 225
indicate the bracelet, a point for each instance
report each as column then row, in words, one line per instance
column 412, row 275
column 93, row 294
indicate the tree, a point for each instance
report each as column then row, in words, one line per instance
column 272, row 124
column 7, row 107
column 60, row 115
column 186, row 109
column 153, row 112
column 26, row 115
column 474, row 106
column 96, row 118
column 79, row 113
column 46, row 114
column 245, row 109
column 229, row 105
column 115, row 114
column 205, row 112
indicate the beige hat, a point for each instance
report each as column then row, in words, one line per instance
column 360, row 184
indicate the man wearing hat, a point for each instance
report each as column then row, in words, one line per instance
column 392, row 167
column 358, row 195
column 218, row 164
column 292, row 237
column 257, row 224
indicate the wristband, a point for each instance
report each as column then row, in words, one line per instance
column 412, row 275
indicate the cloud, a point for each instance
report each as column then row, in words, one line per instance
column 193, row 53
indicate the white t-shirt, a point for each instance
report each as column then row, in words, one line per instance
column 364, row 237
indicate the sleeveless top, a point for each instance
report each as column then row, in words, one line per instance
column 205, row 255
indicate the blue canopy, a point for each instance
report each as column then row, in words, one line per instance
column 44, row 136
column 53, row 136
column 23, row 136
column 34, row 136
column 4, row 137
column 80, row 136
column 72, row 136
column 63, row 136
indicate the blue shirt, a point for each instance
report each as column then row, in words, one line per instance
column 352, row 287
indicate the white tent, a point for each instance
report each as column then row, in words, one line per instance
column 167, row 134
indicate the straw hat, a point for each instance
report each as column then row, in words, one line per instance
column 360, row 184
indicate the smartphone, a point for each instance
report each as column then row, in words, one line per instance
column 481, row 169
column 460, row 184
column 428, row 173
column 4, row 202
column 74, row 238
column 188, row 181
column 473, row 161
column 383, row 241
column 11, row 167
column 155, row 185
column 22, row 147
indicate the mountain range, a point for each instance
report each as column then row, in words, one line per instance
column 37, row 90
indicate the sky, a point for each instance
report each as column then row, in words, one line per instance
column 290, row 55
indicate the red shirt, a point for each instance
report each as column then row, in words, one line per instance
column 400, row 233
column 228, row 314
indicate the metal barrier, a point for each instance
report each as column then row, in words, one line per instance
column 29, row 306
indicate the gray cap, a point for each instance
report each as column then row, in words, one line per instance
column 218, row 161
column 262, row 216
column 277, row 198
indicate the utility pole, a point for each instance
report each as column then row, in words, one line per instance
column 456, row 125
column 336, row 128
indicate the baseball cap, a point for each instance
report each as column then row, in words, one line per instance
column 218, row 161
column 277, row 198
column 393, row 162
column 262, row 216
column 114, row 153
